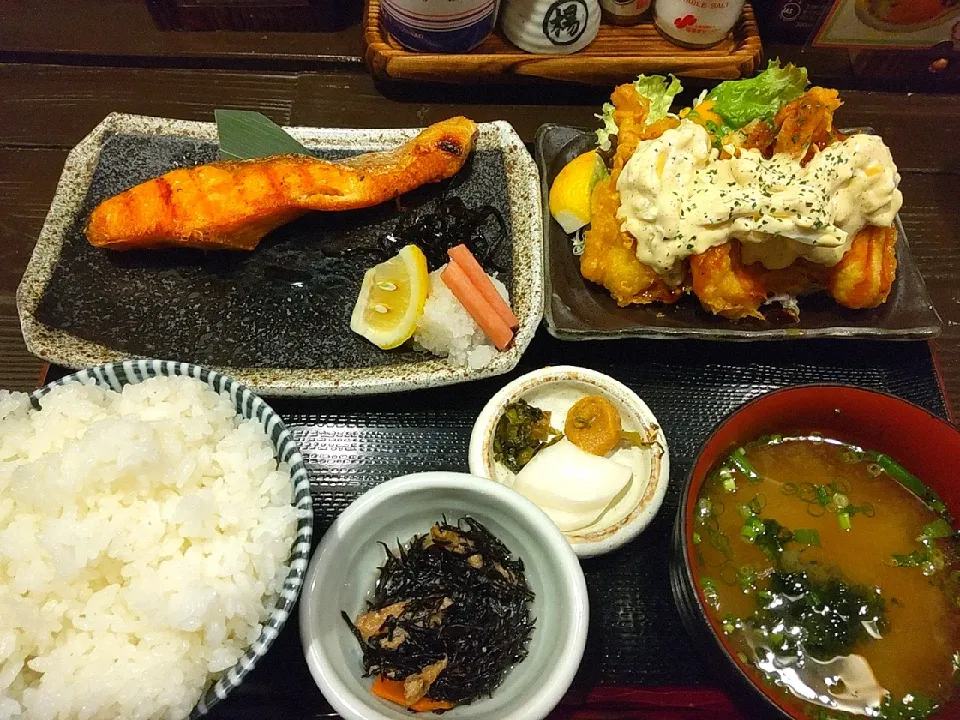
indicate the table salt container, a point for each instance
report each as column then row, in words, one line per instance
column 696, row 23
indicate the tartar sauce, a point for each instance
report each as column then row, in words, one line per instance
column 677, row 198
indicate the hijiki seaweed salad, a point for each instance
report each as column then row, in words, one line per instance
column 448, row 619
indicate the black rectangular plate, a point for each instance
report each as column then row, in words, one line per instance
column 576, row 309
column 285, row 305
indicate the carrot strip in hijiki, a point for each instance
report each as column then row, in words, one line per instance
column 480, row 310
column 462, row 256
column 392, row 690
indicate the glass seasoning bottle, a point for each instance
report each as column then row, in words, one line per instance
column 696, row 23
column 624, row 12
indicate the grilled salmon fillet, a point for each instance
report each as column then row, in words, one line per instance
column 232, row 205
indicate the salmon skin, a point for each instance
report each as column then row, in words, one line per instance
column 232, row 205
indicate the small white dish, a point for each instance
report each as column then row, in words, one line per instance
column 556, row 389
column 344, row 569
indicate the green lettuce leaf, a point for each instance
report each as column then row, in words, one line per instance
column 739, row 102
column 659, row 92
column 609, row 127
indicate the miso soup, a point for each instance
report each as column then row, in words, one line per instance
column 834, row 574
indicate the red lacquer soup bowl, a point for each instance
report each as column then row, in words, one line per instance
column 924, row 444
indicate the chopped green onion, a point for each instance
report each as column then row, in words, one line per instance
column 841, row 500
column 939, row 528
column 911, row 482
column 729, row 483
column 710, row 592
column 696, row 538
column 914, row 559
column 807, row 537
column 823, row 495
column 903, row 476
column 738, row 458
column 752, row 528
column 746, row 578
column 843, row 518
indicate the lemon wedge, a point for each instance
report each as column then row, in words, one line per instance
column 571, row 190
column 391, row 299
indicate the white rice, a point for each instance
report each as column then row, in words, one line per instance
column 143, row 538
column 446, row 328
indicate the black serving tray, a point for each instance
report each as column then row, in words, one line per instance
column 350, row 445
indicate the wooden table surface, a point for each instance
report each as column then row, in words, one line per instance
column 65, row 64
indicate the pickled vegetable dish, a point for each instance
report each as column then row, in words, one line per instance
column 834, row 574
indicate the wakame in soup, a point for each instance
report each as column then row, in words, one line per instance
column 834, row 574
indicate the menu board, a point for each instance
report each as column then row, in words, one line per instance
column 906, row 24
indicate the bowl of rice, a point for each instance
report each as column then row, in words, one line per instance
column 155, row 527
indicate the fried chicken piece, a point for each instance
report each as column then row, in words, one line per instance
column 610, row 258
column 724, row 285
column 801, row 278
column 232, row 205
column 630, row 113
column 757, row 135
column 865, row 274
column 806, row 124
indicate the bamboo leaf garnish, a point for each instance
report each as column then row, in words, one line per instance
column 245, row 134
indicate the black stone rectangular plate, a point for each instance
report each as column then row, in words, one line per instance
column 576, row 309
column 277, row 318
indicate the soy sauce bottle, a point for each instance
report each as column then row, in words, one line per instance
column 624, row 12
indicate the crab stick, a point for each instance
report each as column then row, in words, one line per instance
column 480, row 310
column 462, row 256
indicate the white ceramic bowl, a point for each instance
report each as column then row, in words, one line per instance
column 547, row 27
column 556, row 389
column 116, row 376
column 344, row 569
